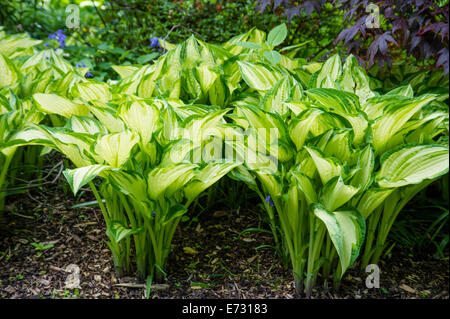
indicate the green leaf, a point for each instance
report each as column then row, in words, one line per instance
column 277, row 35
column 146, row 58
column 249, row 45
column 175, row 212
column 273, row 56
column 295, row 46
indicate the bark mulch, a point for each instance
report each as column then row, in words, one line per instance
column 41, row 235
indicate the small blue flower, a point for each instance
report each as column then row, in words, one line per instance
column 269, row 200
column 45, row 44
column 60, row 37
column 153, row 214
column 89, row 75
column 154, row 43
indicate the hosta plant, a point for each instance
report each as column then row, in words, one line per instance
column 357, row 159
column 148, row 155
column 26, row 71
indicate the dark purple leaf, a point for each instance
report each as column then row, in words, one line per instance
column 443, row 60
column 310, row 6
column 262, row 5
column 292, row 12
column 437, row 28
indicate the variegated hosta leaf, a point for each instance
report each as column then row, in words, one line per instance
column 75, row 146
column 347, row 230
column 270, row 124
column 141, row 118
column 344, row 104
column 170, row 130
column 191, row 52
column 412, row 164
column 354, row 79
column 218, row 92
column 341, row 102
column 240, row 173
column 206, row 76
column 117, row 231
column 306, row 186
column 197, row 128
column 47, row 59
column 79, row 177
column 335, row 193
column 115, row 148
column 55, row 104
column 327, row 167
column 87, row 125
column 365, row 166
column 258, row 76
column 395, row 116
column 271, row 182
column 107, row 116
column 231, row 45
column 17, row 45
column 371, row 199
column 89, row 91
column 132, row 185
column 147, row 86
column 274, row 98
column 406, row 91
column 332, row 68
column 205, row 177
column 340, row 146
column 161, row 178
column 9, row 74
column 124, row 70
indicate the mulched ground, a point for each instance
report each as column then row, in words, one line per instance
column 220, row 264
